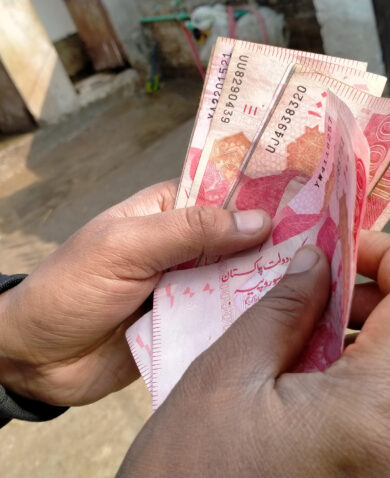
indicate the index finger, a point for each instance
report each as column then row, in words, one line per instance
column 151, row 200
column 373, row 259
column 374, row 340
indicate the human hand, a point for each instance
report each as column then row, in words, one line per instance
column 239, row 412
column 63, row 328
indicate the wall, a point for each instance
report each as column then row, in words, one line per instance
column 382, row 10
column 62, row 31
column 301, row 23
column 349, row 30
column 14, row 117
column 55, row 18
column 32, row 63
column 124, row 16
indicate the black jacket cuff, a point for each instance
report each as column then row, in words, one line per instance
column 15, row 406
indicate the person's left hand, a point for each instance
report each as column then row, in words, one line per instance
column 239, row 410
column 62, row 330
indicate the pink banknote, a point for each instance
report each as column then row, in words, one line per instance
column 293, row 140
column 251, row 83
column 378, row 208
column 215, row 78
column 139, row 338
column 193, row 308
column 349, row 71
column 378, row 203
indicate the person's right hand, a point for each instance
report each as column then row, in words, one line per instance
column 62, row 330
column 238, row 412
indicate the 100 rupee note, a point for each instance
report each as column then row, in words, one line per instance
column 294, row 139
column 252, row 83
column 215, row 78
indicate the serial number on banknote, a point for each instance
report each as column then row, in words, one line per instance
column 286, row 118
column 235, row 88
column 327, row 153
column 219, row 85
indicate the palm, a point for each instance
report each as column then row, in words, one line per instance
column 81, row 354
column 67, row 345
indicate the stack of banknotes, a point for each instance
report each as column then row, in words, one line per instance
column 305, row 137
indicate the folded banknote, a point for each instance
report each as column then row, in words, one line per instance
column 305, row 137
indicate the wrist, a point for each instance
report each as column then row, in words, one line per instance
column 13, row 353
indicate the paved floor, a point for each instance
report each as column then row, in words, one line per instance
column 56, row 180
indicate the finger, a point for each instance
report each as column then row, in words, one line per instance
column 370, row 352
column 373, row 342
column 152, row 200
column 270, row 336
column 163, row 240
column 374, row 257
column 365, row 298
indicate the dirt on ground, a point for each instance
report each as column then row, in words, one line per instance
column 56, row 180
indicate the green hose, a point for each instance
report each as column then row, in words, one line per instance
column 166, row 18
column 180, row 17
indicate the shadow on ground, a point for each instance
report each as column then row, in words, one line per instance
column 74, row 170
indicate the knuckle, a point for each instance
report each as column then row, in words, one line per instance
column 285, row 302
column 107, row 235
column 95, row 234
column 201, row 219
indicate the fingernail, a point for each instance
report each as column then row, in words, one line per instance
column 249, row 222
column 303, row 260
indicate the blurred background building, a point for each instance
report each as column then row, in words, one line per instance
column 58, row 55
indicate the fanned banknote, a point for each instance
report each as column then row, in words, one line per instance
column 241, row 102
column 315, row 155
column 295, row 137
column 215, row 79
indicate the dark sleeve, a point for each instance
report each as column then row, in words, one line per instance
column 12, row 405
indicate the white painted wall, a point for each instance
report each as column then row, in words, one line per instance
column 32, row 62
column 55, row 17
column 348, row 29
column 124, row 16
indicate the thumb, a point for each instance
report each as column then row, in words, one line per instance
column 267, row 340
column 163, row 240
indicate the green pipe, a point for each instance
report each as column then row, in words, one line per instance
column 181, row 17
column 166, row 18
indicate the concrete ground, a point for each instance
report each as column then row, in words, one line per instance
column 51, row 183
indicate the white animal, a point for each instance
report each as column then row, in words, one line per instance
column 214, row 20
